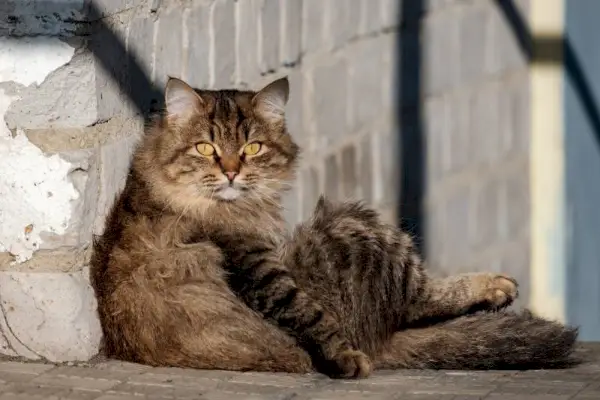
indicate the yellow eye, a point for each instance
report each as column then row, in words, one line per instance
column 252, row 148
column 205, row 149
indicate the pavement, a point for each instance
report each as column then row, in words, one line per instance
column 112, row 380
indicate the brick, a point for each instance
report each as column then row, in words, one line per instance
column 313, row 29
column 436, row 5
column 389, row 73
column 109, row 7
column 291, row 31
column 114, row 159
column 169, row 47
column 295, row 112
column 365, row 82
column 371, row 16
column 246, row 44
column 457, row 226
column 387, row 166
column 335, row 395
column 332, row 178
column 459, row 145
column 365, row 171
column 435, row 124
column 486, row 214
column 57, row 328
column 263, row 394
column 441, row 51
column 474, row 42
column 29, row 369
column 160, row 391
column 197, row 52
column 291, row 206
column 311, row 189
column 344, row 19
column 329, row 101
column 505, row 52
column 140, row 42
column 87, row 373
column 270, row 32
column 65, row 99
column 222, row 27
column 434, row 236
column 484, row 135
column 391, row 13
column 112, row 75
column 514, row 115
column 349, row 178
column 516, row 186
column 279, row 380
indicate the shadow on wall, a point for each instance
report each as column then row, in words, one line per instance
column 411, row 140
column 554, row 50
column 69, row 20
column 409, row 113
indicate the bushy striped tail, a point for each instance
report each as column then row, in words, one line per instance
column 486, row 340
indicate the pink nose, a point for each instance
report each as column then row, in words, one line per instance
column 231, row 175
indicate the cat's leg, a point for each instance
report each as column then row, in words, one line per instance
column 177, row 310
column 257, row 275
column 362, row 271
column 371, row 277
column 446, row 298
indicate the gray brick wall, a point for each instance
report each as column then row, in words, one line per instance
column 476, row 125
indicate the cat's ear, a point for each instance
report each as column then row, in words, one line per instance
column 181, row 100
column 271, row 100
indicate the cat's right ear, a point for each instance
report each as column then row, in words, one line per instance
column 181, row 100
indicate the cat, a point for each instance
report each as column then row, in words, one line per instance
column 196, row 269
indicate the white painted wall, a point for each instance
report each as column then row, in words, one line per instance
column 35, row 193
column 49, row 315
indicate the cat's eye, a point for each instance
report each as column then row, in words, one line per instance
column 252, row 148
column 205, row 149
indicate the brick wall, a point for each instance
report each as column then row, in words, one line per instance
column 78, row 119
column 476, row 124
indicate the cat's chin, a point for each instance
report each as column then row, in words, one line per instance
column 228, row 194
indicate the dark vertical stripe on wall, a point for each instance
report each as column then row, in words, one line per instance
column 411, row 141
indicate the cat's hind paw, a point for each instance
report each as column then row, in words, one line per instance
column 350, row 364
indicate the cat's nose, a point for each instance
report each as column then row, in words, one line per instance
column 230, row 175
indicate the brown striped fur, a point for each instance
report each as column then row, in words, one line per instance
column 195, row 270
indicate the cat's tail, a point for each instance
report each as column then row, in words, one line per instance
column 498, row 340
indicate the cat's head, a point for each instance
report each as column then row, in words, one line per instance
column 219, row 147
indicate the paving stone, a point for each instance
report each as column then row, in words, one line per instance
column 112, row 380
column 24, row 368
column 78, row 377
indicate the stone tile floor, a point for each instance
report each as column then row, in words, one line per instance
column 112, row 380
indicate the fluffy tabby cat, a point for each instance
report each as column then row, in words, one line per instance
column 195, row 268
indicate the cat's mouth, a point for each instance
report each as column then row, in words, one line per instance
column 230, row 192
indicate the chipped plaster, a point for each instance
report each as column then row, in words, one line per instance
column 35, row 192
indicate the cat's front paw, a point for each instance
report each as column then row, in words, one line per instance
column 498, row 290
column 350, row 364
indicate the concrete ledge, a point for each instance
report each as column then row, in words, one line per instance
column 49, row 316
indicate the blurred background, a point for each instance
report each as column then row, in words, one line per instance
column 471, row 124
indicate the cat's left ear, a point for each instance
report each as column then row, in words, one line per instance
column 271, row 100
